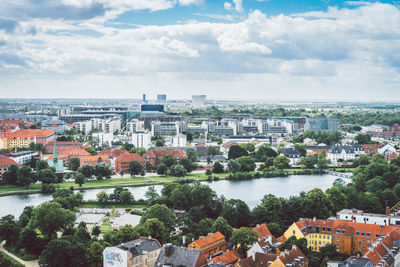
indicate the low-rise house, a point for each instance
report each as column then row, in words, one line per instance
column 385, row 252
column 122, row 162
column 293, row 154
column 179, row 256
column 370, row 149
column 352, row 262
column 136, row 253
column 5, row 164
column 310, row 150
column 210, row 244
column 293, row 257
column 94, row 160
column 227, row 258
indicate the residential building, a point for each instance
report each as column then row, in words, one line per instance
column 94, row 160
column 112, row 155
column 262, row 231
column 385, row 252
column 5, row 164
column 293, row 154
column 171, row 255
column 62, row 146
column 57, row 126
column 293, row 257
column 22, row 157
column 70, row 153
column 321, row 124
column 387, row 150
column 162, row 98
column 370, row 149
column 159, row 128
column 134, row 126
column 341, row 153
column 195, row 129
column 122, row 163
column 8, row 128
column 136, row 253
column 107, row 126
column 310, row 150
column 355, row 215
column 84, row 127
column 154, row 156
column 315, row 241
column 141, row 139
column 22, row 138
column 210, row 244
column 229, row 257
column 179, row 140
column 352, row 262
column 102, row 139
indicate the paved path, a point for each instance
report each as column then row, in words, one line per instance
column 25, row 263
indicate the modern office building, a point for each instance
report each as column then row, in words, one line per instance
column 167, row 128
column 321, row 124
column 161, row 97
column 155, row 107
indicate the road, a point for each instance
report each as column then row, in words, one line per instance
column 25, row 263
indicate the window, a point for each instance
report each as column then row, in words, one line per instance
column 294, row 231
column 357, row 233
column 362, row 233
column 343, row 231
column 324, row 228
column 338, row 231
column 368, row 234
column 329, row 229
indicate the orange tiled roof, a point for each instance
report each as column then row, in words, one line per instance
column 72, row 152
column 130, row 157
column 210, row 238
column 94, row 158
column 300, row 224
column 262, row 230
column 25, row 133
column 8, row 161
column 162, row 152
column 288, row 258
column 227, row 258
column 281, row 239
column 378, row 250
column 113, row 152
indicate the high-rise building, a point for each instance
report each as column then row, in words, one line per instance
column 162, row 98
column 321, row 124
column 144, row 98
column 199, row 100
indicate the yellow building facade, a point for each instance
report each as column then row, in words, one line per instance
column 294, row 230
column 315, row 241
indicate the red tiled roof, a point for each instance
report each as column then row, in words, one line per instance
column 8, row 161
column 261, row 259
column 210, row 238
column 94, row 158
column 128, row 157
column 162, row 152
column 246, row 262
column 281, row 239
column 378, row 250
column 227, row 258
column 113, row 152
column 288, row 258
column 262, row 230
column 24, row 133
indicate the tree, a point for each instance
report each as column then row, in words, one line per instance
column 102, row 170
column 221, row 225
column 236, row 212
column 274, row 228
column 151, row 193
column 264, row 152
column 247, row 164
column 177, row 171
column 10, row 176
column 191, row 153
column 308, row 162
column 168, row 160
column 87, row 170
column 243, row 238
column 363, row 139
column 124, row 234
column 63, row 252
column 94, row 253
column 24, row 176
column 79, row 179
column 233, row 166
column 212, row 151
column 250, row 147
column 218, row 167
column 189, row 137
column 9, row 229
column 319, row 204
column 161, row 169
column 96, row 230
column 236, row 151
column 160, row 142
column 301, row 148
column 126, row 197
column 41, row 164
column 363, row 160
column 187, row 164
column 135, row 168
column 50, row 217
column 74, row 163
column 102, row 197
column 281, row 162
column 155, row 228
column 162, row 213
column 47, row 176
column 138, row 150
column 91, row 150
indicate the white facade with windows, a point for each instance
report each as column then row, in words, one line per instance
column 141, row 139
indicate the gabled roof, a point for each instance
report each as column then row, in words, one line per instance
column 140, row 246
column 210, row 238
column 290, row 152
column 161, row 152
column 262, row 230
column 229, row 257
column 181, row 256
column 291, row 255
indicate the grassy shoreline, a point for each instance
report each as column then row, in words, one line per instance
column 9, row 190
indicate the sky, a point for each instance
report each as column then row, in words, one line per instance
column 227, row 49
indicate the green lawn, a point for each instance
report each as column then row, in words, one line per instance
column 13, row 262
column 109, row 183
column 25, row 257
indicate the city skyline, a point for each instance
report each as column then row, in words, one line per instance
column 239, row 50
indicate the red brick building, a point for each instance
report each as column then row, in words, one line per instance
column 94, row 160
column 122, row 162
column 70, row 153
column 62, row 146
column 370, row 149
column 154, row 156
column 113, row 153
column 5, row 163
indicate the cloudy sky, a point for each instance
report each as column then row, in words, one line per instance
column 227, row 49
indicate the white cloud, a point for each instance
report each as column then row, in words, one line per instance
column 191, row 2
column 227, row 6
column 344, row 51
column 237, row 5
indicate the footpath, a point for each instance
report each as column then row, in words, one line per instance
column 25, row 263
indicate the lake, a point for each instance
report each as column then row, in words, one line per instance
column 250, row 191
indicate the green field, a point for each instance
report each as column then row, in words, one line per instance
column 128, row 181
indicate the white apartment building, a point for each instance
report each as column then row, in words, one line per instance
column 370, row 218
column 141, row 139
column 340, row 153
column 22, row 157
column 102, row 139
column 179, row 140
column 84, row 127
column 134, row 126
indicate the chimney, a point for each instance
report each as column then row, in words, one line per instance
column 168, row 249
column 184, row 240
column 387, row 210
column 314, row 219
column 294, row 247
